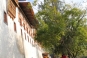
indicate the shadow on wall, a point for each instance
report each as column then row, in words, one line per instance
column 19, row 41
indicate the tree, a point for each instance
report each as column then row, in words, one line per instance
column 74, row 41
column 62, row 28
column 50, row 27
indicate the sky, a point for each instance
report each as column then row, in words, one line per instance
column 68, row 1
column 30, row 0
column 76, row 1
column 82, row 3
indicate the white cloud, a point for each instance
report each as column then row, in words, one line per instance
column 84, row 5
column 35, row 8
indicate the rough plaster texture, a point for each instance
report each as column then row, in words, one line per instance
column 8, row 40
column 12, row 45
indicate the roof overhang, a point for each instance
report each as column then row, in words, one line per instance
column 45, row 54
column 29, row 13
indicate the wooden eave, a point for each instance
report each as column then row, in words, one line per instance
column 28, row 11
column 45, row 54
column 15, row 2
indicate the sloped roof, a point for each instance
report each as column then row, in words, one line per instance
column 45, row 54
column 29, row 13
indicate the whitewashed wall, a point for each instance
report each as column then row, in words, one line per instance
column 12, row 44
column 8, row 42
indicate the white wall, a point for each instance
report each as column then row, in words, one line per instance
column 12, row 44
column 31, row 51
column 8, row 42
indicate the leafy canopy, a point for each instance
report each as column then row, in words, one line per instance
column 62, row 28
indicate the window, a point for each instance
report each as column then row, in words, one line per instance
column 27, row 30
column 32, row 42
column 24, row 26
column 30, row 33
column 5, row 17
column 20, row 21
column 25, row 36
column 15, row 27
column 28, row 38
column 34, row 35
column 21, row 32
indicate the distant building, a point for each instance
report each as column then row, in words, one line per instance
column 17, row 30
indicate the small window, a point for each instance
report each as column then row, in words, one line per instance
column 27, row 30
column 21, row 32
column 28, row 38
column 5, row 17
column 30, row 33
column 25, row 36
column 15, row 27
column 32, row 42
column 20, row 21
column 24, row 26
column 34, row 35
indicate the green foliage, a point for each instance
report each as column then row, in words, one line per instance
column 62, row 28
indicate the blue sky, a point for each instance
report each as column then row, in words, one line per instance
column 30, row 0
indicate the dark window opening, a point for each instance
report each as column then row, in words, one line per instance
column 32, row 42
column 15, row 27
column 27, row 30
column 21, row 32
column 24, row 26
column 25, row 36
column 20, row 21
column 5, row 17
column 28, row 38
